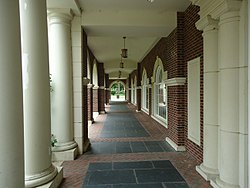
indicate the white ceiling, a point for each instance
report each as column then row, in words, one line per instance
column 107, row 21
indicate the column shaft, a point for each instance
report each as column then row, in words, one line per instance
column 11, row 108
column 209, row 168
column 229, row 99
column 36, row 93
column 95, row 101
column 101, row 107
column 90, row 104
column 61, row 73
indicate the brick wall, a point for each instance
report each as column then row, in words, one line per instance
column 183, row 44
column 90, row 104
column 95, row 100
column 101, row 107
column 101, row 74
column 193, row 48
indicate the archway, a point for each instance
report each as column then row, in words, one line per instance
column 117, row 91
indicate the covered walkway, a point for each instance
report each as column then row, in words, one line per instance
column 128, row 149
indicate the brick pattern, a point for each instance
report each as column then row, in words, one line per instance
column 138, row 93
column 84, row 54
column 183, row 44
column 84, row 90
column 101, row 74
column 85, row 113
column 107, row 93
column 95, row 100
column 176, row 111
column 101, row 96
column 75, row 171
column 193, row 48
column 90, row 103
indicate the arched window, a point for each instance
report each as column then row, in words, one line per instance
column 160, row 96
column 135, row 90
column 145, row 92
column 132, row 91
column 95, row 74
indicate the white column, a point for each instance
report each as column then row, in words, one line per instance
column 36, row 92
column 11, row 109
column 209, row 168
column 248, row 92
column 61, row 73
column 229, row 99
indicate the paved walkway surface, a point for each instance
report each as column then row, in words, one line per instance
column 128, row 150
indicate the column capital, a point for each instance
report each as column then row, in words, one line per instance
column 175, row 81
column 60, row 16
column 85, row 81
column 95, row 87
column 101, row 87
column 207, row 24
column 90, row 85
column 216, row 8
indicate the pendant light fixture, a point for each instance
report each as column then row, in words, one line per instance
column 124, row 50
column 121, row 63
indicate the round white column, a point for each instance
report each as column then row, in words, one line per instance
column 61, row 73
column 229, row 99
column 11, row 108
column 248, row 92
column 36, row 92
column 209, row 167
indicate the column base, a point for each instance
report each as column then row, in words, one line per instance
column 90, row 122
column 218, row 183
column 95, row 114
column 207, row 173
column 64, row 146
column 82, row 146
column 56, row 181
column 67, row 155
column 102, row 112
column 175, row 146
column 41, row 178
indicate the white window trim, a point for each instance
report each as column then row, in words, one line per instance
column 194, row 101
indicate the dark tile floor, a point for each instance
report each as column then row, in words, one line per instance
column 130, row 160
column 129, row 147
column 134, row 174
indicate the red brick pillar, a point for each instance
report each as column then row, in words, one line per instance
column 85, row 114
column 101, row 107
column 107, row 96
column 129, row 95
column 138, row 96
column 150, row 99
column 90, row 104
column 95, row 101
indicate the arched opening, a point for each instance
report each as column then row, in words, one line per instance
column 88, row 66
column 95, row 74
column 145, row 92
column 160, row 93
column 135, row 90
column 117, row 91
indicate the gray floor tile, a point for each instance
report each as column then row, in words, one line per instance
column 176, row 185
column 100, row 166
column 158, row 175
column 158, row 185
column 163, row 164
column 97, row 186
column 112, row 177
column 138, row 147
column 133, row 165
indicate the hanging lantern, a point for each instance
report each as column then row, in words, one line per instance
column 124, row 51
